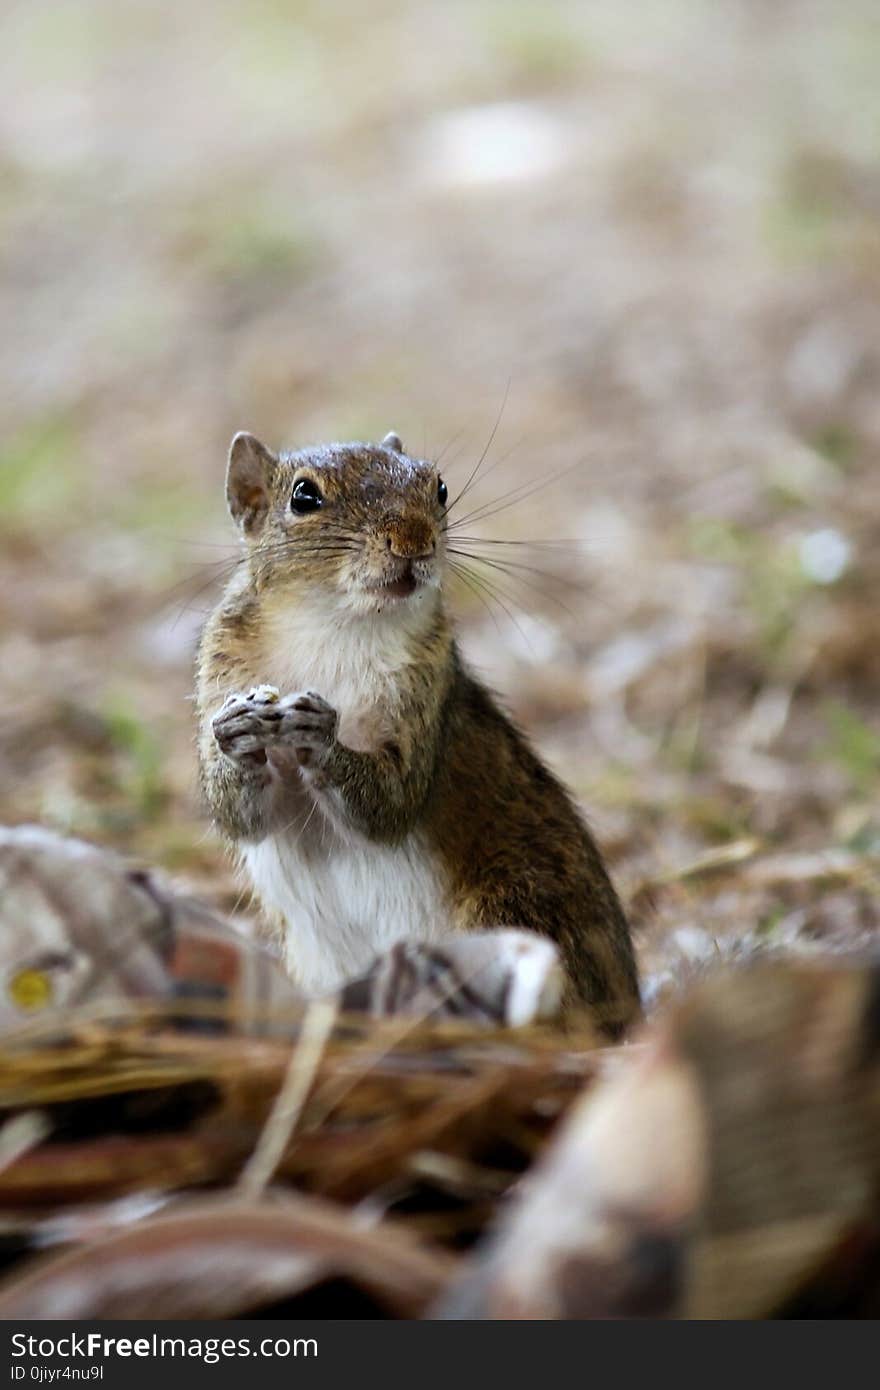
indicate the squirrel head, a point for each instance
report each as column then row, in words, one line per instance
column 364, row 523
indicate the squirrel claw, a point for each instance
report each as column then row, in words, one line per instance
column 246, row 724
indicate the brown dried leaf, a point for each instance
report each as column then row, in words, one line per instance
column 222, row 1259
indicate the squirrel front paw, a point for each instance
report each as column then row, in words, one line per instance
column 307, row 723
column 247, row 726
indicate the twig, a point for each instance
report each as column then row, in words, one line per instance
column 305, row 1058
column 20, row 1134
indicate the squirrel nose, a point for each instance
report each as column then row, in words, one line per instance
column 410, row 543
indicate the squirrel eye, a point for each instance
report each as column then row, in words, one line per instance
column 442, row 492
column 306, row 496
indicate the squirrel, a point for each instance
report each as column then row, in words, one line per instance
column 373, row 787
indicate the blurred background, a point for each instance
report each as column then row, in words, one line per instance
column 651, row 232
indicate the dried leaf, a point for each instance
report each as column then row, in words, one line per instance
column 223, row 1259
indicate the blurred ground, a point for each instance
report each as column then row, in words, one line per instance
column 660, row 223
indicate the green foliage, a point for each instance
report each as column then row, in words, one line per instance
column 819, row 212
column 837, row 443
column 39, row 469
column 258, row 242
column 773, row 580
column 853, row 745
column 865, row 839
column 537, row 42
column 141, row 758
column 799, row 230
column 767, row 926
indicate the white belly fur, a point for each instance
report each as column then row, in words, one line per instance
column 344, row 906
column 343, row 898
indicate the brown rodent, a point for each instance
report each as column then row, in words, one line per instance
column 372, row 785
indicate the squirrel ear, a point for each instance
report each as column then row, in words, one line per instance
column 392, row 441
column 247, row 480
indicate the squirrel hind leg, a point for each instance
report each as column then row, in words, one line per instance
column 598, row 966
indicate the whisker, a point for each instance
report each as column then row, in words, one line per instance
column 460, row 574
column 497, row 464
column 494, row 588
column 223, row 569
column 217, row 568
column 186, row 606
column 188, row 541
column 453, row 439
column 502, row 562
column 572, row 545
column 505, row 567
column 489, row 444
column 294, row 549
column 495, row 592
column 452, row 461
column 510, row 499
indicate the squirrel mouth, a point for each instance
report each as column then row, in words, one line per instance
column 402, row 587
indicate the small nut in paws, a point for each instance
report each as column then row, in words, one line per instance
column 265, row 694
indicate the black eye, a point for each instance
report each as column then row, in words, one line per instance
column 442, row 492
column 306, row 496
